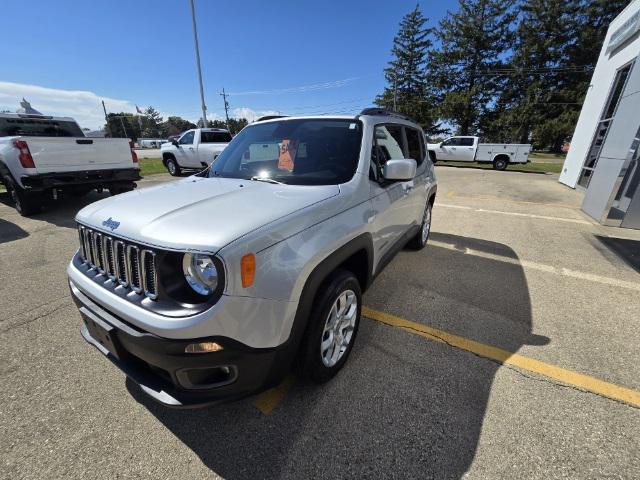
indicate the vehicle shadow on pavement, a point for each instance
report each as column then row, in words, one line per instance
column 61, row 212
column 10, row 232
column 403, row 406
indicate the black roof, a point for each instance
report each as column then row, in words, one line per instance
column 376, row 111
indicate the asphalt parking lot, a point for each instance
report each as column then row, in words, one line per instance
column 508, row 348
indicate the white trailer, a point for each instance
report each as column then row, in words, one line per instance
column 469, row 149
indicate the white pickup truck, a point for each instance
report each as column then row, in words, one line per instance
column 194, row 150
column 468, row 149
column 43, row 156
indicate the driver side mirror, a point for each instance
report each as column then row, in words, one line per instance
column 402, row 169
column 175, row 143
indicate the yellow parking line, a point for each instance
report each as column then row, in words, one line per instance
column 268, row 400
column 584, row 382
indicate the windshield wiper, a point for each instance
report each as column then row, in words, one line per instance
column 266, row 179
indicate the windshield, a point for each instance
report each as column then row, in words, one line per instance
column 35, row 127
column 296, row 152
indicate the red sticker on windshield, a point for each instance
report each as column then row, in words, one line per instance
column 286, row 160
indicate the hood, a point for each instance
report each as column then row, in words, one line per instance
column 196, row 213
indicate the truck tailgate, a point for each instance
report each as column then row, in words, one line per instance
column 52, row 154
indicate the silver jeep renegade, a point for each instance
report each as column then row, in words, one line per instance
column 215, row 286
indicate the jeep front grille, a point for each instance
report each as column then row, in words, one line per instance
column 128, row 265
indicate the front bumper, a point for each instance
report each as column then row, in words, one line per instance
column 165, row 372
column 95, row 178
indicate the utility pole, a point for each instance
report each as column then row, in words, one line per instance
column 106, row 119
column 226, row 107
column 195, row 39
column 123, row 127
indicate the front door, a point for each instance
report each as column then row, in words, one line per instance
column 449, row 149
column 187, row 154
column 391, row 201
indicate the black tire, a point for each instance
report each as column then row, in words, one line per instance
column 312, row 365
column 500, row 163
column 420, row 241
column 25, row 203
column 172, row 166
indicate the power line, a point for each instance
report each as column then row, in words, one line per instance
column 299, row 89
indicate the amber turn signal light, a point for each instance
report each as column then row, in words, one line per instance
column 203, row 347
column 248, row 270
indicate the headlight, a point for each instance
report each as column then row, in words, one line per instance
column 200, row 272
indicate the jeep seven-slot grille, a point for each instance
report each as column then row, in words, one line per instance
column 130, row 266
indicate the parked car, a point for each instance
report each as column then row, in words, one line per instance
column 468, row 149
column 194, row 150
column 215, row 285
column 43, row 156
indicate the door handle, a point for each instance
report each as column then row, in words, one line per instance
column 190, row 148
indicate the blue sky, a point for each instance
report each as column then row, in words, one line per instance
column 67, row 55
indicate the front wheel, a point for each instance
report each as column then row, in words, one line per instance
column 420, row 240
column 172, row 167
column 333, row 327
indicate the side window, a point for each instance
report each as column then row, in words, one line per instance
column 452, row 142
column 466, row 142
column 414, row 145
column 187, row 138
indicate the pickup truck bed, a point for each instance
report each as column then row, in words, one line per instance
column 43, row 156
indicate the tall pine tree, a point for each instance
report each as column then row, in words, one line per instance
column 473, row 41
column 407, row 90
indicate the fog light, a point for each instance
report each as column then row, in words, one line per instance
column 203, row 347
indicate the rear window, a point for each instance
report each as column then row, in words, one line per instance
column 36, row 127
column 466, row 142
column 413, row 145
column 215, row 137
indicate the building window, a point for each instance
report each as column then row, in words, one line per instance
column 602, row 129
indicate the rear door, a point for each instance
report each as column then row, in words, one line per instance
column 211, row 144
column 467, row 149
column 418, row 192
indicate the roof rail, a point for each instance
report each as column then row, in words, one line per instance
column 270, row 117
column 383, row 112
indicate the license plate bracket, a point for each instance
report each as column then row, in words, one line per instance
column 103, row 333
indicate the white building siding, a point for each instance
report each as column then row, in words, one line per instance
column 601, row 83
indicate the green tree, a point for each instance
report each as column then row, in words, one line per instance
column 123, row 125
column 462, row 69
column 407, row 91
column 538, row 99
column 235, row 124
column 175, row 126
column 151, row 123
